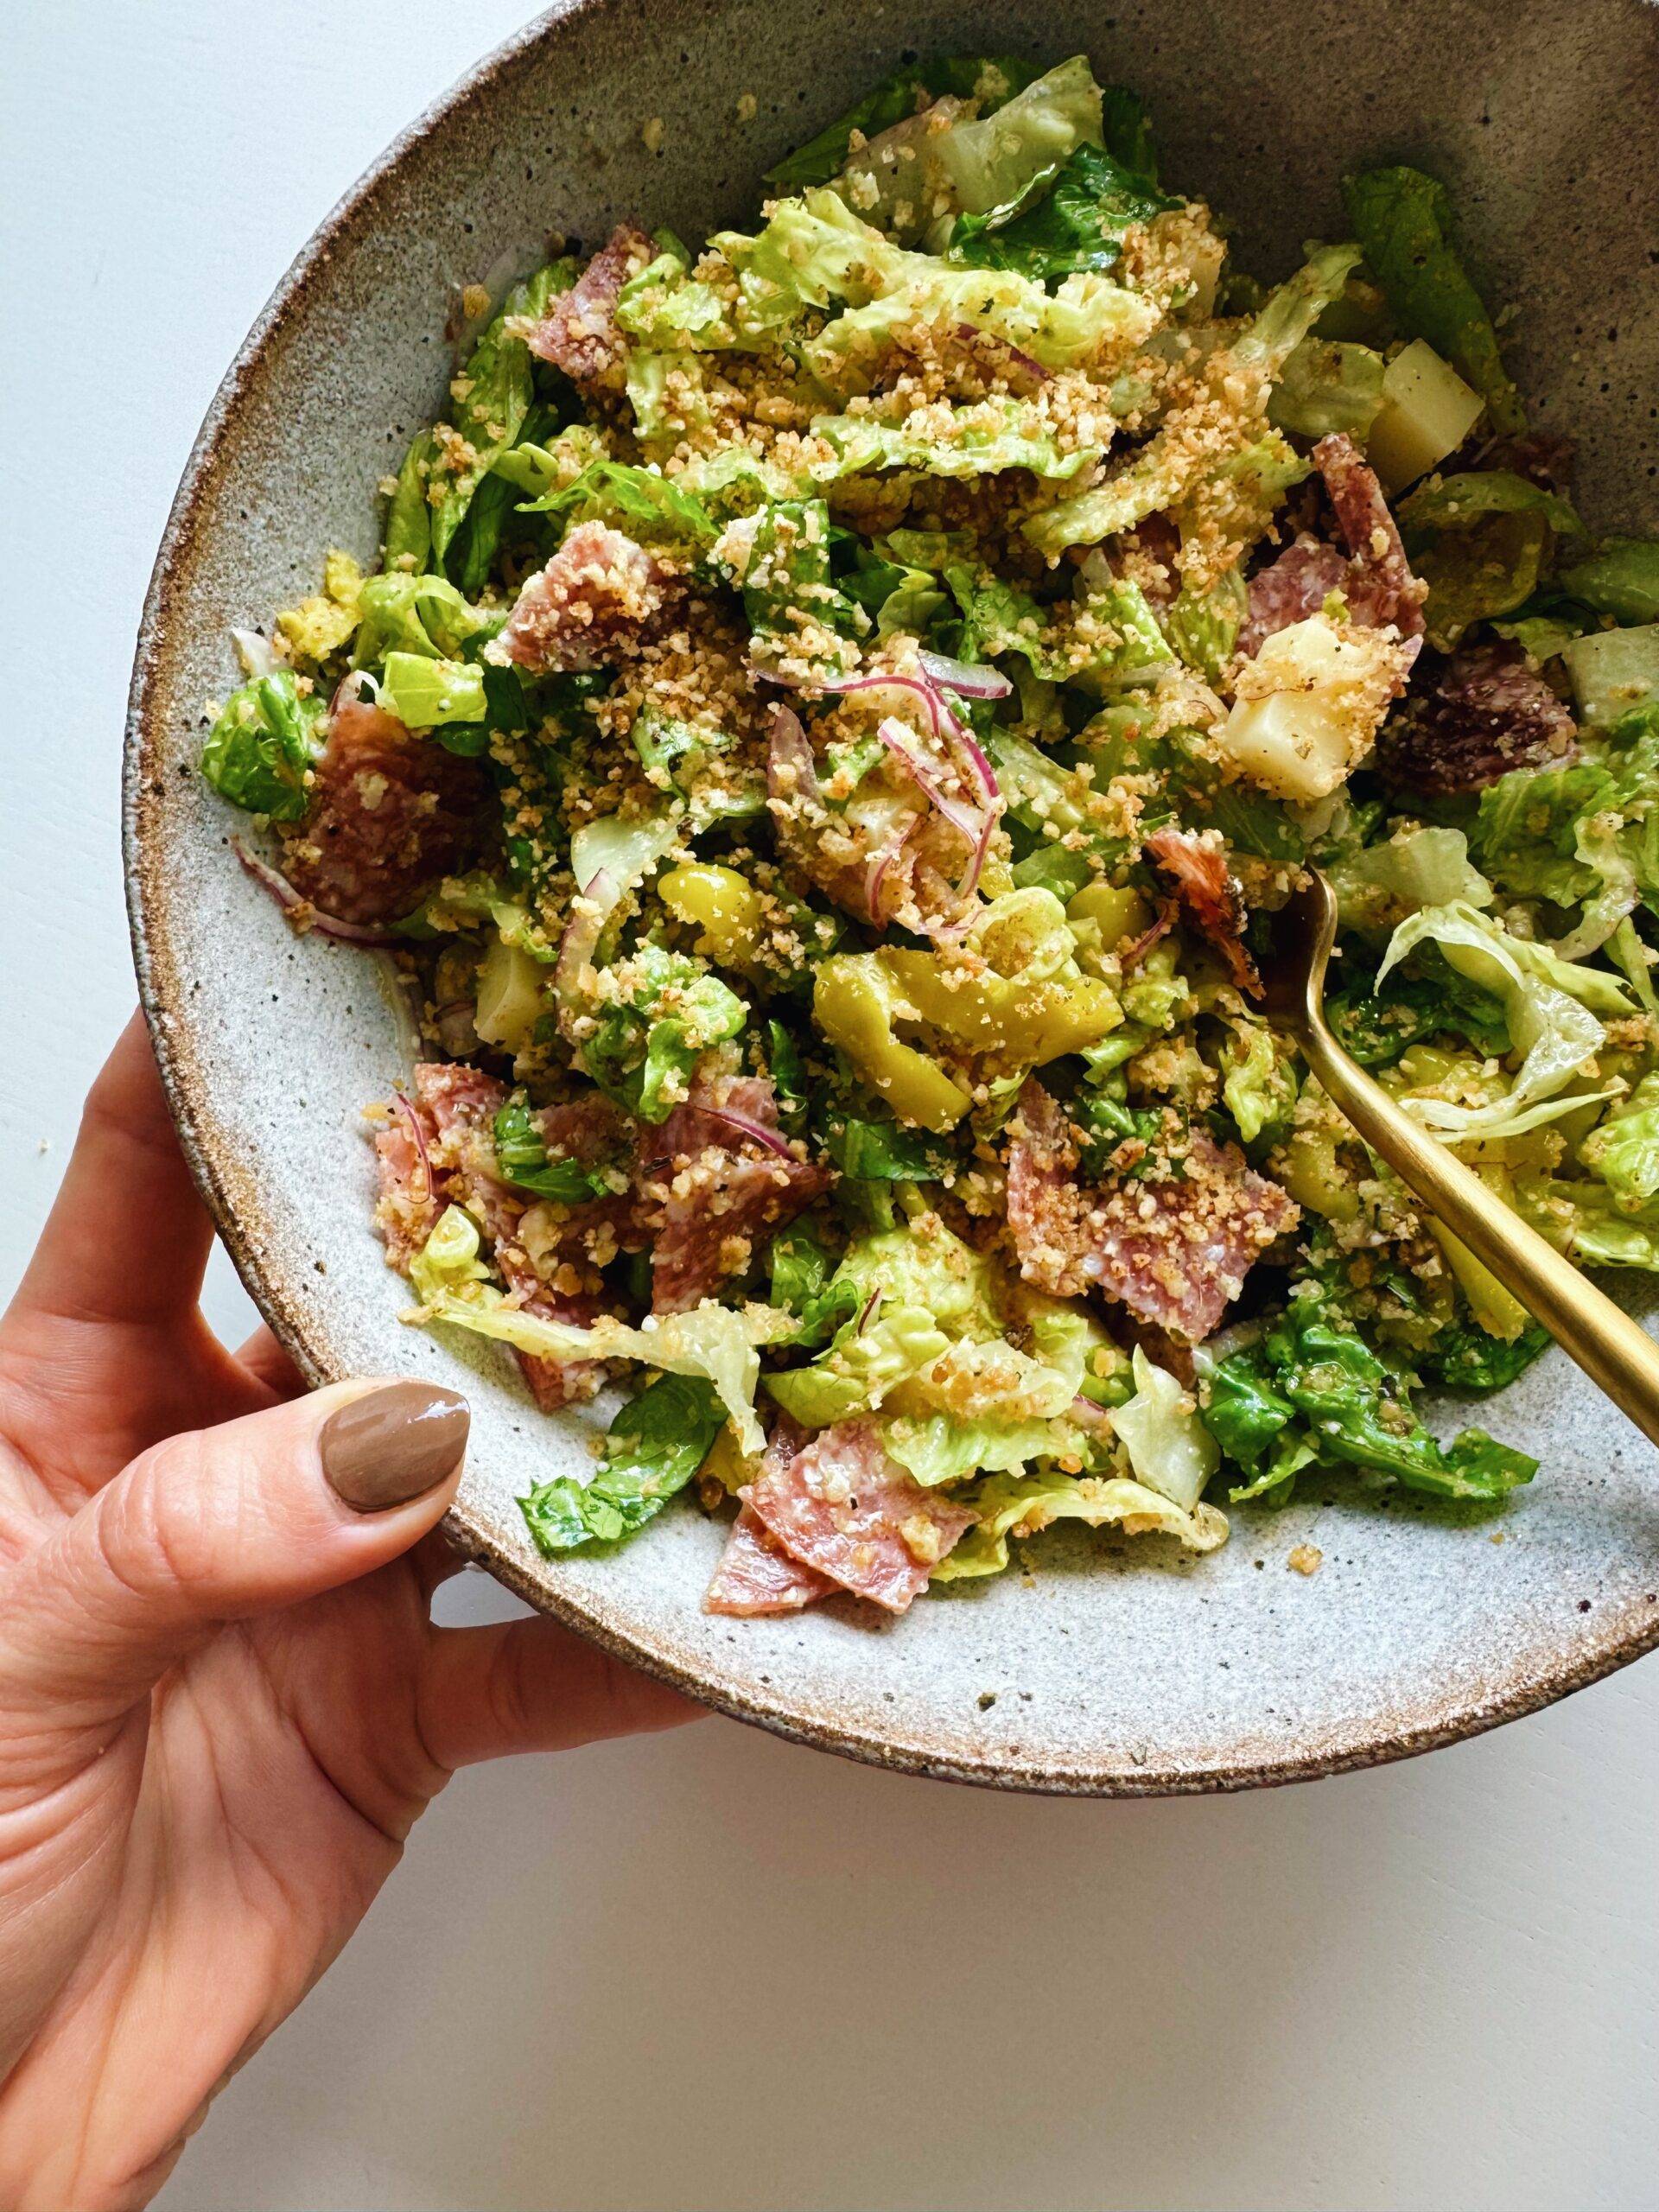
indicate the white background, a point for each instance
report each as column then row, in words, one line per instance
column 715, row 1970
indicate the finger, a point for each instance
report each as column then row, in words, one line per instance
column 533, row 1686
column 217, row 1526
column 128, row 1237
column 270, row 1365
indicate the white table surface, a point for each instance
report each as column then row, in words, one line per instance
column 716, row 1970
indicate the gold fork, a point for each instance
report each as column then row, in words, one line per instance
column 1610, row 1348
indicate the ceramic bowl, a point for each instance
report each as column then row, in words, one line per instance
column 1114, row 1670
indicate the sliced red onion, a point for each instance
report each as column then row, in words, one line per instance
column 288, row 898
column 1134, row 954
column 876, row 875
column 938, row 714
column 357, row 687
column 900, row 740
column 1087, row 1413
column 964, row 679
column 256, row 654
column 590, row 911
column 1024, row 362
column 400, row 1097
column 984, row 773
column 757, row 1132
column 870, row 1305
column 791, row 772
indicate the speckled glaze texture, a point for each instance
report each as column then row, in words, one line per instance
column 1112, row 1670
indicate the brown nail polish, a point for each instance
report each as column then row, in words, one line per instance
column 393, row 1444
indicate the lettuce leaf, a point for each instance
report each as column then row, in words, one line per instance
column 1403, row 221
column 980, row 439
column 1620, row 579
column 642, row 501
column 713, row 1341
column 1169, row 1449
column 1550, row 1006
column 655, row 1445
column 989, row 79
column 263, row 739
column 645, row 1046
column 1356, row 1411
column 1078, row 223
column 491, row 398
column 1327, row 385
column 994, row 161
column 1009, row 1506
column 424, row 615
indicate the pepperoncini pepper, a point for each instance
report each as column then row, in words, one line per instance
column 857, row 1003
column 1016, row 1001
column 718, row 901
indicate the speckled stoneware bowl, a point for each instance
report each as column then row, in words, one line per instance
column 1112, row 1670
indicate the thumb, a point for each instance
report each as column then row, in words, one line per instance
column 212, row 1527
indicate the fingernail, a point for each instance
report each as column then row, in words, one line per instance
column 394, row 1443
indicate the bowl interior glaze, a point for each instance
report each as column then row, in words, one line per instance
column 1110, row 1669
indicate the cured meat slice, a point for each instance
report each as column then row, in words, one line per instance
column 1486, row 712
column 843, row 1508
column 1174, row 1248
column 1380, row 588
column 578, row 333
column 390, row 813
column 756, row 1576
column 599, row 593
column 450, row 1131
column 1373, row 575
column 715, row 1185
column 1291, row 588
column 1209, row 894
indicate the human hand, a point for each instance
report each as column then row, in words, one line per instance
column 223, row 1703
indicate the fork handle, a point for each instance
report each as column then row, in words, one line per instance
column 1613, row 1350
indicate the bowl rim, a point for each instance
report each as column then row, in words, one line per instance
column 164, row 617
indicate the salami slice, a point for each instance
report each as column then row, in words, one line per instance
column 391, row 812
column 756, row 1576
column 452, row 1111
column 599, row 593
column 578, row 333
column 1485, row 712
column 844, row 1508
column 722, row 1177
column 1373, row 574
column 1174, row 1247
column 1291, row 588
column 1380, row 588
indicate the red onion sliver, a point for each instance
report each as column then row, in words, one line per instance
column 581, row 940
column 964, row 679
column 844, row 686
column 791, row 772
column 1134, row 954
column 288, row 898
column 401, row 1098
column 757, row 1132
column 900, row 740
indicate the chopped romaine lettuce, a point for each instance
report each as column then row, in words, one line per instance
column 492, row 394
column 656, row 1444
column 1077, row 224
column 263, row 741
column 1169, row 1447
column 1620, row 579
column 1403, row 221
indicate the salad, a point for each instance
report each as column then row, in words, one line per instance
column 831, row 717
